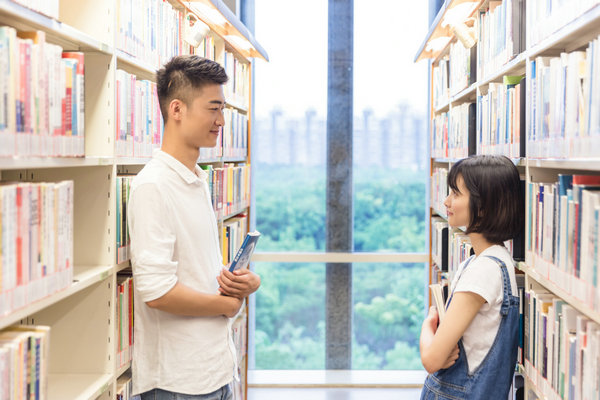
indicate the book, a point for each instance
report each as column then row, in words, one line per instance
column 78, row 100
column 242, row 257
column 439, row 292
column 138, row 125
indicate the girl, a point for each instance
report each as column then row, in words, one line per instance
column 473, row 352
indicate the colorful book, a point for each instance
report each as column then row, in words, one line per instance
column 242, row 258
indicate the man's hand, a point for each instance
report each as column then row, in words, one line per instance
column 240, row 283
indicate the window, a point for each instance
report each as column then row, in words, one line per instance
column 290, row 316
column 390, row 171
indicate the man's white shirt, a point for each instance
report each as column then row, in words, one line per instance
column 174, row 239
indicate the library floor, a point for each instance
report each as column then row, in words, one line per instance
column 333, row 394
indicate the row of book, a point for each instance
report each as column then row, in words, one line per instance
column 461, row 129
column 37, row 242
column 459, row 249
column 453, row 132
column 233, row 233
column 501, row 35
column 235, row 134
column 563, row 235
column 561, row 346
column 564, row 93
column 440, row 78
column 237, row 88
column 439, row 243
column 439, row 190
column 545, row 17
column 49, row 8
column 462, row 68
column 41, row 96
column 124, row 319
column 492, row 126
column 24, row 362
column 439, row 135
column 501, row 119
column 150, row 30
column 230, row 188
column 139, row 124
column 123, row 240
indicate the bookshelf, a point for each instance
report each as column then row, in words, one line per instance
column 560, row 138
column 84, row 360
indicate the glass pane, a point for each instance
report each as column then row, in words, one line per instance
column 289, row 134
column 290, row 316
column 390, row 128
column 388, row 312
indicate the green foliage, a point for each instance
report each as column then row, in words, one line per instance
column 389, row 215
column 403, row 356
column 291, row 349
column 290, row 208
column 290, row 292
column 391, row 315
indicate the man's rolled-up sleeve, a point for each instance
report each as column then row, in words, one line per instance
column 152, row 242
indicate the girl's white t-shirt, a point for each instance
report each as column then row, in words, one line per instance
column 483, row 277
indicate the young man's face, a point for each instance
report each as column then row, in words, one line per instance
column 203, row 118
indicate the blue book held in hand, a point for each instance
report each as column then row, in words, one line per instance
column 242, row 258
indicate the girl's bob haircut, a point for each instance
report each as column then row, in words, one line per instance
column 495, row 200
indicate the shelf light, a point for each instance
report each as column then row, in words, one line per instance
column 437, row 44
column 458, row 18
column 465, row 34
column 196, row 33
column 239, row 42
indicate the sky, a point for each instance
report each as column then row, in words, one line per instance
column 387, row 35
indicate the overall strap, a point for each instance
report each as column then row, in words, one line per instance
column 507, row 290
column 463, row 270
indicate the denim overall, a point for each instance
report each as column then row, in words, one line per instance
column 493, row 377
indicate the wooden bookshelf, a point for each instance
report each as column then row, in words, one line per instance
column 570, row 31
column 83, row 335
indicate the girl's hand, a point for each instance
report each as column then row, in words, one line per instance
column 452, row 358
column 431, row 324
column 432, row 319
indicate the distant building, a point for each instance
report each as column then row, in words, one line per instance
column 397, row 141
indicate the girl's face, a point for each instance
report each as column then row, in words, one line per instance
column 457, row 204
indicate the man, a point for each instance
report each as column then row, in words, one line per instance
column 183, row 296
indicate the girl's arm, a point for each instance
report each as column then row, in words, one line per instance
column 438, row 347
